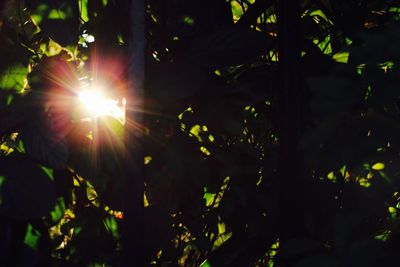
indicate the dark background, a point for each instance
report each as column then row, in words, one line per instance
column 270, row 133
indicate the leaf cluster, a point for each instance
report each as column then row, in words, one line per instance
column 212, row 134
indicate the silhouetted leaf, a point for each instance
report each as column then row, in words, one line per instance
column 45, row 146
column 26, row 191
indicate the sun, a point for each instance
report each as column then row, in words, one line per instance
column 94, row 102
column 97, row 104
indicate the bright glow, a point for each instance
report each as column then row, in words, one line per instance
column 98, row 105
column 88, row 38
column 94, row 101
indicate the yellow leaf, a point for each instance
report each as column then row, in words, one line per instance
column 221, row 228
column 147, row 159
column 378, row 166
column 146, row 202
column 205, row 151
column 392, row 210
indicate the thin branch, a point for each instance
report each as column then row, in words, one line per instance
column 253, row 12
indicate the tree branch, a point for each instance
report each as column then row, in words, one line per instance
column 253, row 12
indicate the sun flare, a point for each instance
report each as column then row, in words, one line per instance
column 97, row 104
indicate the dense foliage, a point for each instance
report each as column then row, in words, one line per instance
column 216, row 189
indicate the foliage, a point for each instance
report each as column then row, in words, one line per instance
column 212, row 134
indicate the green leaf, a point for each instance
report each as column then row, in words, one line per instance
column 14, row 77
column 112, row 127
column 112, row 226
column 205, row 264
column 31, row 237
column 58, row 212
column 342, row 57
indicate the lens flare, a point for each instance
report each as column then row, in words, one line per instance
column 97, row 104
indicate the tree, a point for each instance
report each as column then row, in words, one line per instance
column 268, row 134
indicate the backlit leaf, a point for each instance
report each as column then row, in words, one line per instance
column 14, row 77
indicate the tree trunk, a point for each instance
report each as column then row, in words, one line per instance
column 290, row 174
column 133, row 227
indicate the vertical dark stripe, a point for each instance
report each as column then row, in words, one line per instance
column 133, row 228
column 290, row 176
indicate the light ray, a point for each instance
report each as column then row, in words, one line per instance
column 97, row 104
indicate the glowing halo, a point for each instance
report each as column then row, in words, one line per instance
column 97, row 104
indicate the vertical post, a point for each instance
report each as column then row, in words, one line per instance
column 290, row 173
column 132, row 229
